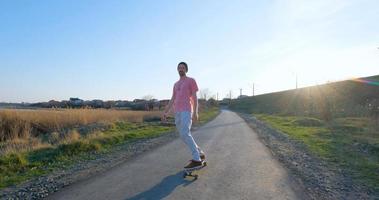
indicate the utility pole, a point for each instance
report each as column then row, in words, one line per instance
column 230, row 97
column 240, row 91
column 296, row 81
column 253, row 89
column 294, row 73
column 217, row 96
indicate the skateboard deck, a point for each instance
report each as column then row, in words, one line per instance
column 190, row 172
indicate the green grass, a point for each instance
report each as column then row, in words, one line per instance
column 208, row 114
column 18, row 167
column 310, row 135
column 349, row 143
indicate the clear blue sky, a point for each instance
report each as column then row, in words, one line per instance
column 122, row 50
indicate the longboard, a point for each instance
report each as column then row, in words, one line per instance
column 189, row 172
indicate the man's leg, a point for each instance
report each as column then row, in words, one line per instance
column 201, row 152
column 184, row 126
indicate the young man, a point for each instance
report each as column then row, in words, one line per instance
column 185, row 104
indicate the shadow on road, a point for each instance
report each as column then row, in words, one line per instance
column 163, row 188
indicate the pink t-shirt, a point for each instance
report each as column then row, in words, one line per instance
column 183, row 90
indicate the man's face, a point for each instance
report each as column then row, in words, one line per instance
column 182, row 70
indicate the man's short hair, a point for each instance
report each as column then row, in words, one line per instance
column 185, row 65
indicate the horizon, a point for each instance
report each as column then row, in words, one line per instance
column 356, row 79
column 127, row 50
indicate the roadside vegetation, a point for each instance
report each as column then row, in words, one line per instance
column 338, row 122
column 351, row 144
column 36, row 142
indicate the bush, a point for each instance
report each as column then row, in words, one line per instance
column 78, row 147
column 13, row 162
column 53, row 138
column 72, row 135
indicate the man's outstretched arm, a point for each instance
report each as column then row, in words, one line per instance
column 168, row 108
column 195, row 116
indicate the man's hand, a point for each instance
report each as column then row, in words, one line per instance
column 195, row 117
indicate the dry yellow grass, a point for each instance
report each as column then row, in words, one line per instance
column 20, row 145
column 26, row 123
column 20, row 128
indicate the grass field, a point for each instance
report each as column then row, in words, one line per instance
column 349, row 143
column 26, row 130
column 21, row 164
column 17, row 123
column 17, row 167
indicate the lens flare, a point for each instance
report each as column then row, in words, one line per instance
column 367, row 81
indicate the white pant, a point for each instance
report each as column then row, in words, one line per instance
column 183, row 122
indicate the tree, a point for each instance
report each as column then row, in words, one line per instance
column 205, row 94
column 229, row 95
column 148, row 97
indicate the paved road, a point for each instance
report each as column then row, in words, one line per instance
column 239, row 167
